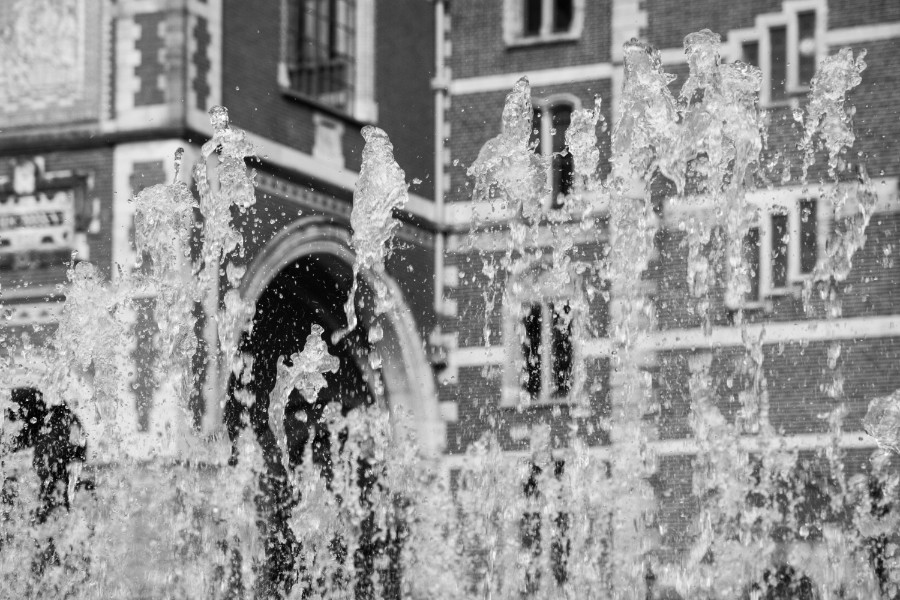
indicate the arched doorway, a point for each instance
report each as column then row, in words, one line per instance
column 315, row 253
column 301, row 278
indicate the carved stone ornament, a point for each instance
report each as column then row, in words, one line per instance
column 42, row 55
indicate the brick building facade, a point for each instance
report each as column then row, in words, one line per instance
column 98, row 95
column 98, row 100
column 811, row 361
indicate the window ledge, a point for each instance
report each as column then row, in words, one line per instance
column 514, row 404
column 781, row 291
column 788, row 103
column 540, row 40
column 303, row 99
column 511, row 399
column 798, row 90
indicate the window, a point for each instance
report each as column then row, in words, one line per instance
column 536, row 21
column 551, row 120
column 320, row 50
column 560, row 543
column 782, row 249
column 787, row 47
column 807, row 47
column 547, row 356
column 542, row 319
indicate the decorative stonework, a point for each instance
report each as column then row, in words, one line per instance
column 150, row 72
column 306, row 197
column 328, row 138
column 201, row 61
column 49, row 61
column 34, row 313
column 44, row 216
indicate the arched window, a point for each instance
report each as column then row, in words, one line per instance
column 551, row 120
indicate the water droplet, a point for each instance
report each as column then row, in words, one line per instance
column 218, row 117
column 179, row 155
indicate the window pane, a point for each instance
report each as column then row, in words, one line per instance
column 562, row 15
column 563, row 177
column 531, row 524
column 751, row 260
column 536, row 130
column 809, row 243
column 563, row 166
column 532, row 18
column 806, row 22
column 562, row 350
column 780, row 238
column 750, row 53
column 560, row 548
column 778, row 41
column 324, row 61
column 561, row 117
column 531, row 349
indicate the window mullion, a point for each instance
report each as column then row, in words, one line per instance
column 546, row 126
column 765, row 253
column 792, row 60
column 794, row 242
column 765, row 64
column 546, row 350
column 547, row 147
column 546, row 18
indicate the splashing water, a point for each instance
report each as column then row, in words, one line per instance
column 882, row 421
column 561, row 519
column 304, row 374
column 827, row 120
column 222, row 241
column 380, row 190
column 163, row 221
column 513, row 180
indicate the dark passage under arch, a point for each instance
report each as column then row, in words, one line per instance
column 311, row 290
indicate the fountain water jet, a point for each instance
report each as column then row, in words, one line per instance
column 363, row 514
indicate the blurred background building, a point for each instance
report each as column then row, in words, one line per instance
column 572, row 52
column 97, row 97
column 98, row 94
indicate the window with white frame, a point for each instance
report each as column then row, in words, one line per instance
column 787, row 47
column 537, row 21
column 539, row 336
column 319, row 50
column 782, row 247
column 547, row 350
column 552, row 117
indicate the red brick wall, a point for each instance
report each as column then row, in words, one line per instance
column 873, row 287
column 797, row 376
column 250, row 54
column 476, row 118
column 404, row 61
column 477, row 394
column 851, row 13
column 668, row 22
column 404, row 67
column 877, row 120
column 479, row 49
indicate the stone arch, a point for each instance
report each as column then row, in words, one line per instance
column 408, row 379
